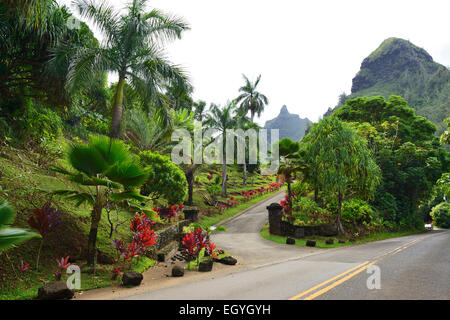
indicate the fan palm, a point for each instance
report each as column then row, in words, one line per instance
column 222, row 119
column 250, row 99
column 11, row 236
column 105, row 170
column 131, row 49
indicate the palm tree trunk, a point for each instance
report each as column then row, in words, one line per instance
column 190, row 181
column 117, row 109
column 289, row 192
column 339, row 214
column 95, row 221
column 224, row 176
column 245, row 171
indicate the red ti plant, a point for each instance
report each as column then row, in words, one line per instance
column 24, row 267
column 45, row 220
column 195, row 242
column 115, row 273
column 143, row 238
column 63, row 264
column 210, row 249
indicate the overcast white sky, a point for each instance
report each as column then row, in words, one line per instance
column 306, row 51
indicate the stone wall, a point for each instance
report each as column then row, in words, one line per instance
column 166, row 236
column 283, row 228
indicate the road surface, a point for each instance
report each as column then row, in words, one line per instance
column 411, row 267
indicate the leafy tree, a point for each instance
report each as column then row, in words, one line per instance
column 132, row 49
column 222, row 119
column 9, row 237
column 443, row 185
column 165, row 179
column 343, row 160
column 406, row 150
column 445, row 137
column 250, row 99
column 288, row 150
column 105, row 171
column 441, row 215
column 29, row 33
column 179, row 97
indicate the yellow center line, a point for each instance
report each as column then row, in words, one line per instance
column 328, row 281
column 359, row 268
column 335, row 284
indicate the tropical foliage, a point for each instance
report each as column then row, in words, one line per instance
column 404, row 147
column 106, row 171
column 165, row 179
column 9, row 237
column 132, row 49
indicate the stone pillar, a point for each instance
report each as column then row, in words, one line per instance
column 191, row 215
column 275, row 214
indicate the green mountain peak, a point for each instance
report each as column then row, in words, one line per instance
column 398, row 67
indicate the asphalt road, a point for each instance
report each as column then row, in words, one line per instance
column 411, row 267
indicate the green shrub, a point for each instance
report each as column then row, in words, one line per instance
column 300, row 189
column 356, row 211
column 214, row 189
column 5, row 129
column 441, row 215
column 90, row 120
column 40, row 124
column 165, row 178
column 307, row 212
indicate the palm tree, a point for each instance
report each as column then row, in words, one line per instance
column 244, row 123
column 222, row 119
column 105, row 171
column 131, row 49
column 200, row 107
column 250, row 99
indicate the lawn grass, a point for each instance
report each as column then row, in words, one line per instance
column 320, row 241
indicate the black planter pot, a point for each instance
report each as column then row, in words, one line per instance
column 205, row 266
column 191, row 215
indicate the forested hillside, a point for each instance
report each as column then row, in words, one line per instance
column 398, row 67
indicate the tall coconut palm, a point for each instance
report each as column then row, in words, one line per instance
column 250, row 99
column 244, row 123
column 222, row 119
column 131, row 49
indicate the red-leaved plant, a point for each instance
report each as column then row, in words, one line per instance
column 195, row 241
column 115, row 273
column 24, row 267
column 63, row 264
column 144, row 237
column 45, row 220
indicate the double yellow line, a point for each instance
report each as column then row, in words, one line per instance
column 346, row 275
column 358, row 268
